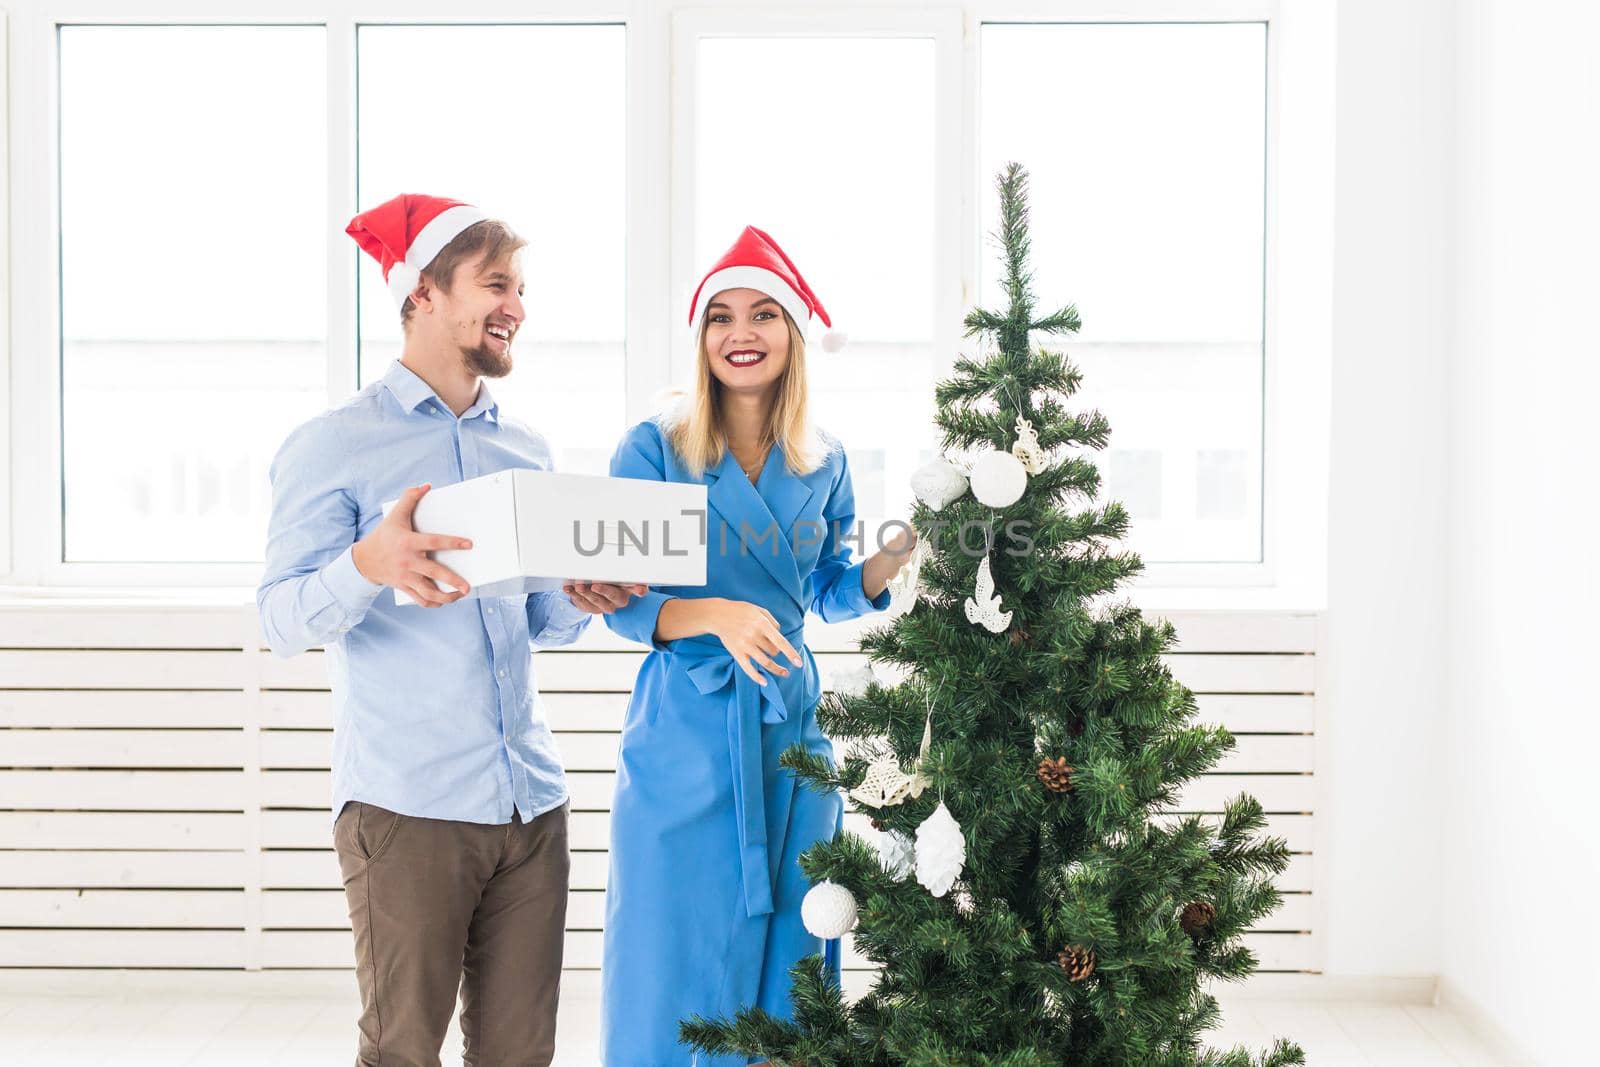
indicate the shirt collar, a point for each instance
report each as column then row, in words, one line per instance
column 412, row 392
column 485, row 405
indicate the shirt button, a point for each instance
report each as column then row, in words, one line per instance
column 489, row 610
column 502, row 672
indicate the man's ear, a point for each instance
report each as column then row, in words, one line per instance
column 422, row 295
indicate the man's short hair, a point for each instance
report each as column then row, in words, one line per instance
column 490, row 240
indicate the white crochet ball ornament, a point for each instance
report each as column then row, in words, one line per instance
column 828, row 910
column 998, row 478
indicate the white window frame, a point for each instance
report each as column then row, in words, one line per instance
column 660, row 270
column 8, row 517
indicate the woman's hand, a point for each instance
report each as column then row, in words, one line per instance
column 887, row 561
column 904, row 540
column 749, row 632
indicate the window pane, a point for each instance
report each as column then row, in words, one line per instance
column 1146, row 148
column 186, row 359
column 540, row 143
column 839, row 169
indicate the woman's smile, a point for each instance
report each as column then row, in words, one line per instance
column 745, row 357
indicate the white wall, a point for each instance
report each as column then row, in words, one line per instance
column 1521, row 847
column 1389, row 474
column 1460, row 833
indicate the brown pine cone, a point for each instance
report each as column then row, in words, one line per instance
column 1197, row 917
column 1020, row 635
column 1056, row 774
column 1077, row 961
column 878, row 825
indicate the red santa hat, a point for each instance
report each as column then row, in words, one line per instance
column 756, row 262
column 406, row 233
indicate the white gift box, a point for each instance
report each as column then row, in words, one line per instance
column 531, row 530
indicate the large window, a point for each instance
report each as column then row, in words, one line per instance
column 1146, row 147
column 538, row 140
column 201, row 299
column 193, row 281
column 839, row 171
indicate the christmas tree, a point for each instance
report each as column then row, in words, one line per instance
column 1032, row 899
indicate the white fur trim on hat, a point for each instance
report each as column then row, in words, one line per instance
column 758, row 278
column 443, row 228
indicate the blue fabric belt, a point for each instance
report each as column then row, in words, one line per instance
column 712, row 670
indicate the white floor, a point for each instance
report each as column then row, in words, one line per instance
column 145, row 1019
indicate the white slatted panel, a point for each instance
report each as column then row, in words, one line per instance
column 164, row 782
column 331, row 949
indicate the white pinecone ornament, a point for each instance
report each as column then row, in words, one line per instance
column 897, row 854
column 941, row 851
column 828, row 910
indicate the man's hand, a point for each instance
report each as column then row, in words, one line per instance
column 395, row 554
column 600, row 598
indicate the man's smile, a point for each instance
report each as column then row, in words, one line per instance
column 500, row 333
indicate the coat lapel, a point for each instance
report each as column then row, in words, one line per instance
column 786, row 497
column 742, row 507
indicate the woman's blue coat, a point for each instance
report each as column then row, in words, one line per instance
column 703, row 899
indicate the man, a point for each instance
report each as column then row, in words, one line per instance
column 449, row 796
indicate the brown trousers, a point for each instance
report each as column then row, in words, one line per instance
column 438, row 906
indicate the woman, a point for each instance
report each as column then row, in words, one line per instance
column 703, row 900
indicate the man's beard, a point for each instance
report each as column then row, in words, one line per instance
column 486, row 363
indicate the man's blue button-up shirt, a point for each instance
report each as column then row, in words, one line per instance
column 435, row 710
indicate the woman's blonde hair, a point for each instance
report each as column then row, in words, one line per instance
column 696, row 431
